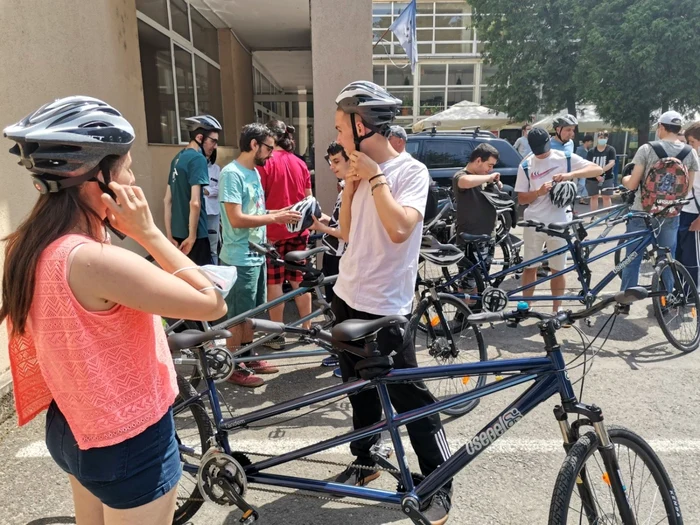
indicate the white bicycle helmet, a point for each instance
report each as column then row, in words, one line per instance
column 563, row 194
column 205, row 122
column 308, row 208
column 566, row 120
column 375, row 105
column 63, row 142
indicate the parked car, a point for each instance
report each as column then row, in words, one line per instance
column 446, row 152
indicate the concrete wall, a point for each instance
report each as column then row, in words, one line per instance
column 237, row 78
column 341, row 53
column 72, row 50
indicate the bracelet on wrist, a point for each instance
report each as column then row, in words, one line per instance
column 376, row 176
column 377, row 185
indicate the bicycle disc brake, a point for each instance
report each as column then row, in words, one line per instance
column 221, row 480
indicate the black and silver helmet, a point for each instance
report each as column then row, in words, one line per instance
column 566, row 120
column 375, row 105
column 205, row 122
column 69, row 137
column 563, row 194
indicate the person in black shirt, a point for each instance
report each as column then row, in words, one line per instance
column 604, row 156
column 475, row 214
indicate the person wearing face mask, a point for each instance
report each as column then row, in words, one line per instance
column 185, row 215
column 244, row 218
column 604, row 156
column 688, row 242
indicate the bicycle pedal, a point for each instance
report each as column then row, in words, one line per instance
column 381, row 450
column 249, row 516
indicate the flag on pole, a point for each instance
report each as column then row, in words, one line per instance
column 404, row 27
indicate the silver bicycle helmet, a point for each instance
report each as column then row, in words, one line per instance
column 63, row 142
column 439, row 254
column 205, row 122
column 308, row 208
column 566, row 120
column 376, row 107
column 563, row 194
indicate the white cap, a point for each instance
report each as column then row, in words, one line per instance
column 672, row 118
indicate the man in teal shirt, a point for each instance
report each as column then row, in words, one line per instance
column 185, row 215
column 244, row 218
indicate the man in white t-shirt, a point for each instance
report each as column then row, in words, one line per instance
column 545, row 167
column 381, row 218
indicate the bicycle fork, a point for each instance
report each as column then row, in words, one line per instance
column 612, row 476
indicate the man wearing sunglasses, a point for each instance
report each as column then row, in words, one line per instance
column 185, row 214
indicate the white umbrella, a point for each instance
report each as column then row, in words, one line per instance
column 464, row 114
column 588, row 120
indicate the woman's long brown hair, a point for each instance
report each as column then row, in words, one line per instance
column 53, row 216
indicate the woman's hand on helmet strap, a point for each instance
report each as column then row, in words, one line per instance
column 130, row 213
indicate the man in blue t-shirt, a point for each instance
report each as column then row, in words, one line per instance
column 564, row 131
column 185, row 215
column 244, row 218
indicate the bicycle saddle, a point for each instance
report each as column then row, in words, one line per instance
column 468, row 237
column 300, row 255
column 354, row 329
column 192, row 338
column 561, row 226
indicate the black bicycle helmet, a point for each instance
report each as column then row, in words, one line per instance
column 63, row 142
column 376, row 107
column 205, row 122
column 563, row 194
column 566, row 120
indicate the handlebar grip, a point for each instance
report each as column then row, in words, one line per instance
column 263, row 325
column 256, row 247
column 486, row 317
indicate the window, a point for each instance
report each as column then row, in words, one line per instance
column 378, row 75
column 432, row 74
column 455, row 95
column 180, row 69
column 398, row 77
column 158, row 92
column 431, row 101
column 446, row 153
column 461, row 75
column 412, row 146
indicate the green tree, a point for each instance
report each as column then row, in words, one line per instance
column 534, row 45
column 640, row 56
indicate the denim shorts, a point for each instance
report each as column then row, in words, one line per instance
column 122, row 476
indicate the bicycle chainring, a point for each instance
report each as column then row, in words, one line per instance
column 215, row 467
column 220, row 363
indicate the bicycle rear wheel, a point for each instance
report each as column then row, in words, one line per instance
column 193, row 432
column 444, row 322
column 583, row 492
column 677, row 310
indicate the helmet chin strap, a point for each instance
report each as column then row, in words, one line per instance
column 356, row 137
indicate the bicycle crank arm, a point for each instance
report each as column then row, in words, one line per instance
column 410, row 508
column 380, row 454
column 250, row 515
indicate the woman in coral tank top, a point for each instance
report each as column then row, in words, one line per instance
column 86, row 340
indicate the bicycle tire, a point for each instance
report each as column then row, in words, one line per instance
column 192, row 499
column 571, row 476
column 661, row 307
column 466, row 331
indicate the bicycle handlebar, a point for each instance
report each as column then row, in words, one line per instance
column 643, row 214
column 625, row 297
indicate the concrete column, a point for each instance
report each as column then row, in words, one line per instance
column 303, row 128
column 237, row 86
column 341, row 52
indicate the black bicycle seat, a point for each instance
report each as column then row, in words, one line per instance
column 561, row 226
column 299, row 256
column 468, row 237
column 193, row 338
column 354, row 329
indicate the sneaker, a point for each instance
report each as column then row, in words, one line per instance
column 242, row 377
column 276, row 343
column 439, row 507
column 330, row 361
column 337, row 373
column 357, row 475
column 262, row 367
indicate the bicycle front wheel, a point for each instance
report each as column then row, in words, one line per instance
column 583, row 491
column 677, row 310
column 435, row 327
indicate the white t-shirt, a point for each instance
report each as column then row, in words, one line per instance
column 542, row 171
column 378, row 276
column 212, row 200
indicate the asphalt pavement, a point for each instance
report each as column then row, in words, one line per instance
column 639, row 380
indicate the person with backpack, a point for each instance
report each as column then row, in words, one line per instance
column 664, row 171
column 542, row 184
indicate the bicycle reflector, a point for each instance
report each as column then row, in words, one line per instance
column 494, row 299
